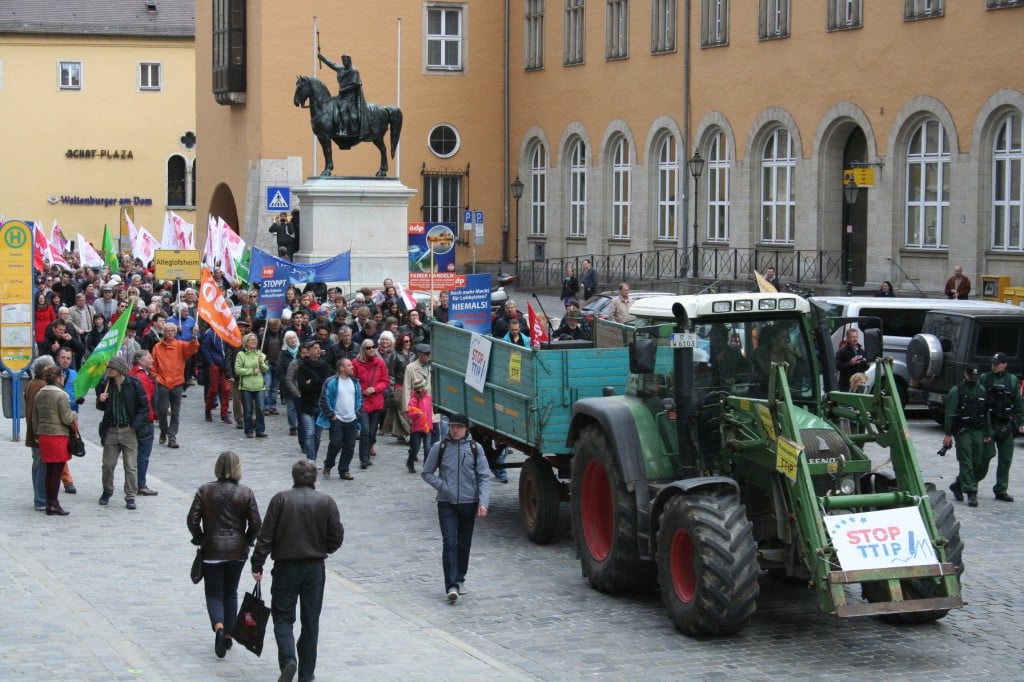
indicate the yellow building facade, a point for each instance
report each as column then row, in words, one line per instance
column 604, row 102
column 98, row 115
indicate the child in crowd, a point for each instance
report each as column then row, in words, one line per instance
column 421, row 420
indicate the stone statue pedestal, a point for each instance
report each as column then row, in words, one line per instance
column 365, row 215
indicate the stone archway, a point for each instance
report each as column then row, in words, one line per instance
column 223, row 205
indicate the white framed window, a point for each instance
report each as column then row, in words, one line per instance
column 444, row 37
column 622, row 171
column 778, row 200
column 577, row 189
column 714, row 23
column 150, row 76
column 663, row 26
column 773, row 19
column 719, row 166
column 1000, row 4
column 69, row 75
column 575, row 32
column 1008, row 185
column 533, row 43
column 927, row 201
column 538, row 191
column 922, row 9
column 844, row 15
column 444, row 140
column 617, row 29
column 668, row 189
column 442, row 198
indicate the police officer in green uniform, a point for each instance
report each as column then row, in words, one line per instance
column 1006, row 410
column 967, row 418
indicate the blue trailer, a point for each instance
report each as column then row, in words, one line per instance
column 527, row 404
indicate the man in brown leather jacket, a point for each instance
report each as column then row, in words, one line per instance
column 301, row 527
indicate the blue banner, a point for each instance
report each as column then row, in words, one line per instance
column 471, row 304
column 275, row 275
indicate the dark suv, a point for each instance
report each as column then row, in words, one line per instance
column 950, row 341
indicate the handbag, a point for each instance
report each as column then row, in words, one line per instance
column 251, row 624
column 197, row 567
column 76, row 446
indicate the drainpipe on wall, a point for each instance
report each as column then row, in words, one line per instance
column 507, row 142
column 684, row 267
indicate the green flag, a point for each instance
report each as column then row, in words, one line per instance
column 110, row 251
column 242, row 265
column 96, row 364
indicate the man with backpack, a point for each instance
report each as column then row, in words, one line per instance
column 457, row 468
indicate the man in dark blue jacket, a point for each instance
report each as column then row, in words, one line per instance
column 218, row 388
column 125, row 419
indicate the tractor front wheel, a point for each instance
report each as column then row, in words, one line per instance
column 707, row 563
column 538, row 500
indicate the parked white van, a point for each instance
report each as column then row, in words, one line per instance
column 901, row 318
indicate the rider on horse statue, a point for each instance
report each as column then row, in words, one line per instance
column 355, row 119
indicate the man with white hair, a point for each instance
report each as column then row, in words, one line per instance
column 169, row 357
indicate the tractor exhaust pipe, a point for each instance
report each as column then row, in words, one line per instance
column 682, row 368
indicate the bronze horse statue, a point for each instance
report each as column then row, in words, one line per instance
column 325, row 117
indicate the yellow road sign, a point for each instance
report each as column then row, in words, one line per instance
column 864, row 177
column 16, row 337
column 176, row 264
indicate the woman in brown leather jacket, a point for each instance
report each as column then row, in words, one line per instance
column 225, row 521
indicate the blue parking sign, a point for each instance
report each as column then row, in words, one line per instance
column 279, row 199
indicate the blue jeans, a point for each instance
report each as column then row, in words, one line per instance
column 293, row 413
column 368, row 437
column 252, row 412
column 415, row 438
column 145, row 450
column 309, row 435
column 457, row 521
column 294, row 581
column 38, row 478
column 273, row 384
column 220, row 583
column 342, row 438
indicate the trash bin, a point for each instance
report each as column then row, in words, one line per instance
column 7, row 383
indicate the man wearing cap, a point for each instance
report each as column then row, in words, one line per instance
column 457, row 468
column 1006, row 410
column 570, row 328
column 125, row 419
column 107, row 305
column 169, row 358
column 967, row 418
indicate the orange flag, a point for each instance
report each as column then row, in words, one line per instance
column 216, row 312
column 538, row 328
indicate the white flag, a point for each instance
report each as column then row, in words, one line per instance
column 184, row 232
column 144, row 247
column 57, row 258
column 132, row 232
column 210, row 250
column 88, row 254
column 232, row 248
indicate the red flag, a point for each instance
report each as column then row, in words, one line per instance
column 538, row 328
column 407, row 299
column 41, row 248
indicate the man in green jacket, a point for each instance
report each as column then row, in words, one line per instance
column 1006, row 410
column 967, row 418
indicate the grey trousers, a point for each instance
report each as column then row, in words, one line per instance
column 121, row 441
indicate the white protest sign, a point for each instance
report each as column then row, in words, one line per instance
column 881, row 539
column 477, row 362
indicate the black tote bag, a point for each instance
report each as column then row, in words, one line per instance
column 251, row 624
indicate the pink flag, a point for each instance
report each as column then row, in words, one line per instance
column 57, row 237
column 132, row 232
column 144, row 247
column 210, row 250
column 57, row 258
column 88, row 255
column 184, row 232
column 40, row 247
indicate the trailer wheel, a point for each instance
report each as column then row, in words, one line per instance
column 604, row 518
column 538, row 500
column 925, row 588
column 707, row 563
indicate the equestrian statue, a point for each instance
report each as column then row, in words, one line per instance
column 347, row 119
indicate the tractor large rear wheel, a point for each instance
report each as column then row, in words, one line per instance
column 707, row 563
column 604, row 517
column 926, row 588
column 538, row 500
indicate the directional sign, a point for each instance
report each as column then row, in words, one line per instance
column 863, row 177
column 16, row 337
column 279, row 199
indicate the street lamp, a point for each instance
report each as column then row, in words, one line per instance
column 517, row 194
column 850, row 191
column 696, row 164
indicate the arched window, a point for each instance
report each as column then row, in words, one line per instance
column 192, row 184
column 577, row 189
column 538, row 191
column 718, row 188
column 927, row 201
column 621, row 176
column 668, row 189
column 1008, row 185
column 176, row 180
column 778, row 198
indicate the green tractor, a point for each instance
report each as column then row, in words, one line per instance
column 729, row 455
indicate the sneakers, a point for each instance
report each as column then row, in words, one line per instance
column 327, row 472
column 462, row 587
column 70, row 489
column 148, row 492
column 453, row 595
column 1004, row 497
column 346, row 476
column 293, row 432
column 958, row 494
column 261, row 435
column 226, row 419
column 105, row 498
column 972, row 499
column 129, row 503
column 172, row 443
column 364, row 465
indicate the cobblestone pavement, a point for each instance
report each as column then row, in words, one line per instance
column 104, row 593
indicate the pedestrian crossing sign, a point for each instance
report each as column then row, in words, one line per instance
column 279, row 199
